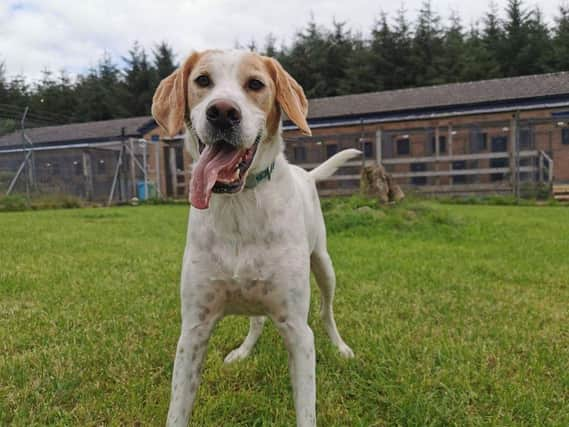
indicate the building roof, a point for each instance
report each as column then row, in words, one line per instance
column 510, row 93
column 448, row 95
column 105, row 130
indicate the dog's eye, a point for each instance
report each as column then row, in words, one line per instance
column 255, row 84
column 203, row 81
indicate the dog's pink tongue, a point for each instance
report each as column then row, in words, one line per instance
column 217, row 159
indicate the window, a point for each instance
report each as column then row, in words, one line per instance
column 525, row 138
column 77, row 167
column 101, row 167
column 478, row 141
column 565, row 136
column 403, row 146
column 499, row 144
column 331, row 149
column 419, row 167
column 459, row 165
column 155, row 138
column 52, row 168
column 483, row 141
column 442, row 144
column 498, row 163
column 368, row 149
column 299, row 154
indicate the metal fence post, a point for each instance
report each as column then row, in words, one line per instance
column 145, row 168
column 173, row 172
column 132, row 168
column 437, row 152
column 517, row 154
column 87, row 174
column 540, row 167
column 512, row 153
column 157, row 167
column 116, row 176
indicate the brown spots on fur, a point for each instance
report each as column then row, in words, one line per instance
column 273, row 119
column 289, row 95
column 170, row 102
column 201, row 67
column 253, row 66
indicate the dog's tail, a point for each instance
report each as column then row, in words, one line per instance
column 331, row 165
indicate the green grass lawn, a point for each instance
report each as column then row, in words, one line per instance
column 458, row 315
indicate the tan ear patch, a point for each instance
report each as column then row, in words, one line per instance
column 170, row 100
column 289, row 95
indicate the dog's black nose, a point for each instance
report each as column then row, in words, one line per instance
column 223, row 114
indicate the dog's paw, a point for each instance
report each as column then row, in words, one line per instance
column 236, row 355
column 345, row 351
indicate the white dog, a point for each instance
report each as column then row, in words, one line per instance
column 256, row 228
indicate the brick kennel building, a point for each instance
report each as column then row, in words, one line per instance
column 485, row 137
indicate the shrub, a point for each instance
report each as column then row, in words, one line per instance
column 12, row 203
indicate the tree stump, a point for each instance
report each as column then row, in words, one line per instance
column 375, row 182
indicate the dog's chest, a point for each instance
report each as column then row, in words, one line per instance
column 247, row 274
column 255, row 259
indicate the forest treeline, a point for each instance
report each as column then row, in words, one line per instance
column 326, row 60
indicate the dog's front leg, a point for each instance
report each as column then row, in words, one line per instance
column 299, row 342
column 186, row 377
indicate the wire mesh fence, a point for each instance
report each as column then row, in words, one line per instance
column 109, row 172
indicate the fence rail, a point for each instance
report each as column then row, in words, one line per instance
column 459, row 157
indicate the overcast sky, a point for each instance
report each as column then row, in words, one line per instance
column 74, row 34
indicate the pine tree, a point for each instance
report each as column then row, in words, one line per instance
column 514, row 57
column 476, row 56
column 382, row 49
column 561, row 40
column 492, row 42
column 538, row 53
column 101, row 95
column 53, row 99
column 428, row 47
column 7, row 123
column 140, row 80
column 306, row 60
column 360, row 75
column 453, row 60
column 252, row 46
column 402, row 57
column 270, row 48
column 164, row 60
column 338, row 52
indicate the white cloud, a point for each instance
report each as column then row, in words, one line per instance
column 73, row 35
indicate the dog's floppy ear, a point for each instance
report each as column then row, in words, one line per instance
column 171, row 98
column 289, row 95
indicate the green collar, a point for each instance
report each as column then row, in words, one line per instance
column 255, row 179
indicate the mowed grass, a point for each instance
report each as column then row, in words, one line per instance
column 458, row 315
